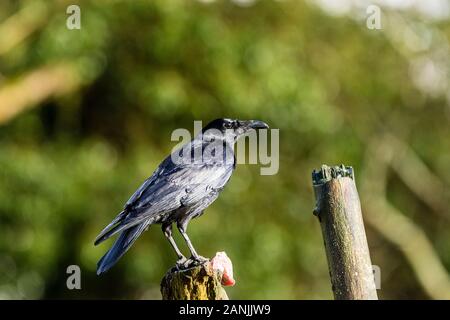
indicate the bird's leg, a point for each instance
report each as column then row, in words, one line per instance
column 182, row 226
column 167, row 229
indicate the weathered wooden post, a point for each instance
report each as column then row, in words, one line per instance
column 339, row 212
column 201, row 282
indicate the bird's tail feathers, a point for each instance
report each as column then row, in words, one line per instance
column 122, row 244
column 110, row 229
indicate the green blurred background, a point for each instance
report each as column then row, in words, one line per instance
column 86, row 115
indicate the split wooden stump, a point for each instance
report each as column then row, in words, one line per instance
column 339, row 212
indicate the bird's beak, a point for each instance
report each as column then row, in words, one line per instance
column 254, row 124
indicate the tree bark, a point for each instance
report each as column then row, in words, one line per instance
column 339, row 212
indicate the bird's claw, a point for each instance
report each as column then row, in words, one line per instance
column 199, row 260
column 181, row 263
column 184, row 263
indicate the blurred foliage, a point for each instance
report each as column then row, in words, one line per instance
column 327, row 82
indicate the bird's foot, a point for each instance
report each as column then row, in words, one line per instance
column 191, row 262
column 197, row 260
column 181, row 263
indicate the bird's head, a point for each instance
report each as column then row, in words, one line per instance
column 230, row 130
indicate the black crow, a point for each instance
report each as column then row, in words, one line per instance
column 183, row 185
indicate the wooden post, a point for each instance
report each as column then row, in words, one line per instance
column 196, row 283
column 201, row 282
column 339, row 212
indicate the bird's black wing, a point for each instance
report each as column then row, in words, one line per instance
column 170, row 187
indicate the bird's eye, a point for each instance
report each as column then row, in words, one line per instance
column 228, row 125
